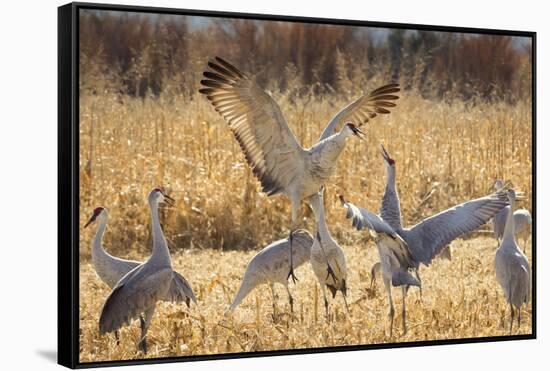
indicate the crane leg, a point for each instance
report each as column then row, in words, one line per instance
column 403, row 311
column 274, row 296
column 511, row 317
column 346, row 303
column 290, row 300
column 325, row 298
column 419, row 280
column 145, row 322
column 519, row 318
column 291, row 271
column 375, row 269
column 295, row 201
column 117, row 337
column 392, row 309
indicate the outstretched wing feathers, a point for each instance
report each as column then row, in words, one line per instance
column 362, row 218
column 364, row 108
column 437, row 231
column 269, row 146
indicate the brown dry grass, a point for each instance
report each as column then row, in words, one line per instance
column 446, row 153
column 460, row 299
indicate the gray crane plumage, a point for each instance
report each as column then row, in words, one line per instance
column 140, row 289
column 277, row 159
column 270, row 266
column 426, row 239
column 327, row 257
column 512, row 268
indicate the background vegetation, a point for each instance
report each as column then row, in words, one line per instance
column 463, row 120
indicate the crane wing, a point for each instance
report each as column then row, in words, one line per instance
column 136, row 292
column 435, row 232
column 180, row 290
column 362, row 218
column 270, row 147
column 364, row 108
column 388, row 241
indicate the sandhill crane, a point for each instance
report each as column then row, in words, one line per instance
column 396, row 262
column 270, row 266
column 426, row 239
column 522, row 221
column 512, row 267
column 137, row 292
column 111, row 269
column 327, row 257
column 279, row 162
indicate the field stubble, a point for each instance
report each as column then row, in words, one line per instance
column 460, row 299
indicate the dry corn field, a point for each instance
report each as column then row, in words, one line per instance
column 446, row 153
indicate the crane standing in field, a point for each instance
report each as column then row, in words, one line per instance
column 280, row 163
column 522, row 221
column 424, row 240
column 327, row 257
column 138, row 291
column 512, row 267
column 270, row 266
column 111, row 269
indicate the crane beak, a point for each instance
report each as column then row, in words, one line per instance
column 358, row 133
column 92, row 219
column 169, row 200
column 386, row 155
column 342, row 199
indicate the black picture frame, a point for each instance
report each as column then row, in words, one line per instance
column 68, row 181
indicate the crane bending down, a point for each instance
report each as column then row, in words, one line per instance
column 522, row 221
column 138, row 291
column 111, row 269
column 425, row 239
column 512, row 267
column 279, row 162
column 270, row 266
column 327, row 257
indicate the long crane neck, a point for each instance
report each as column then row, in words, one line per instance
column 509, row 227
column 97, row 248
column 390, row 179
column 319, row 211
column 391, row 206
column 160, row 246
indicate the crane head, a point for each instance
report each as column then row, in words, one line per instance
column 159, row 195
column 97, row 211
column 355, row 130
column 390, row 161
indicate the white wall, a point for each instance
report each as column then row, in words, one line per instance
column 28, row 181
